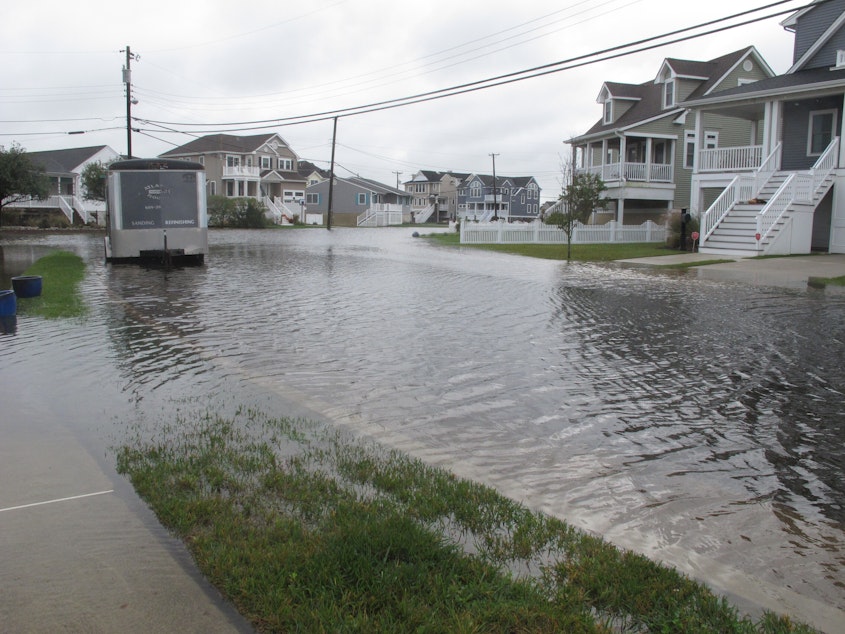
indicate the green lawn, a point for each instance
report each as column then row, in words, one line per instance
column 580, row 252
column 61, row 274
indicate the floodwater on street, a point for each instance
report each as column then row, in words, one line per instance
column 696, row 421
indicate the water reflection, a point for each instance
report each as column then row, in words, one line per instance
column 697, row 421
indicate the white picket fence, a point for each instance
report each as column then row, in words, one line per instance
column 539, row 233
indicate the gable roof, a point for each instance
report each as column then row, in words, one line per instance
column 487, row 180
column 835, row 27
column 648, row 96
column 814, row 80
column 215, row 143
column 374, row 186
column 65, row 161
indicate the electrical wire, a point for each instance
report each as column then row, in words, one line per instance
column 496, row 81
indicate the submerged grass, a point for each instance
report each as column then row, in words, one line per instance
column 580, row 252
column 305, row 529
column 61, row 274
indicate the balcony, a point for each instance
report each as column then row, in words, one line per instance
column 636, row 172
column 731, row 159
column 241, row 171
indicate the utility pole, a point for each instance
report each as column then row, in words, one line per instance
column 331, row 179
column 127, row 79
column 397, row 178
column 495, row 202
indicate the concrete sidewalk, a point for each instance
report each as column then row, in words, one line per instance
column 79, row 552
column 789, row 272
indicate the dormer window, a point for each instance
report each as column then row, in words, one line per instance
column 669, row 94
column 608, row 111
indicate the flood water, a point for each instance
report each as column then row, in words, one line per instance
column 696, row 421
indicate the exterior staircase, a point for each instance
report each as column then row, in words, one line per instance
column 747, row 220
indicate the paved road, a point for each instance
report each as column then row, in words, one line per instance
column 790, row 272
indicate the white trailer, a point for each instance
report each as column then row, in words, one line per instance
column 156, row 212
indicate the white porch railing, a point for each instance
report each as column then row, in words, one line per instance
column 66, row 204
column 424, row 215
column 798, row 188
column 540, row 233
column 730, row 159
column 742, row 187
column 637, row 172
column 381, row 215
column 233, row 171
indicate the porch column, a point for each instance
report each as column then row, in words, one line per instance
column 699, row 139
column 648, row 148
column 773, row 127
column 620, row 210
column 623, row 151
column 603, row 155
column 841, row 138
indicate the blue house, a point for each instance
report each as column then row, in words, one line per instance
column 511, row 198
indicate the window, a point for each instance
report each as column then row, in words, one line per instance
column 689, row 148
column 201, row 159
column 233, row 161
column 312, row 199
column 475, row 190
column 286, row 164
column 212, row 188
column 821, row 131
column 711, row 140
column 608, row 111
column 266, row 162
column 669, row 94
column 362, row 199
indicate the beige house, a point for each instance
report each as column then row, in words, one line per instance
column 434, row 195
column 261, row 166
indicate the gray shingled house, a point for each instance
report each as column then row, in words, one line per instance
column 783, row 190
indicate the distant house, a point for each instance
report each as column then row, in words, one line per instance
column 311, row 173
column 67, row 194
column 261, row 166
column 781, row 190
column 512, row 198
column 434, row 195
column 643, row 145
column 358, row 201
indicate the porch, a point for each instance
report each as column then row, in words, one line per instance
column 621, row 159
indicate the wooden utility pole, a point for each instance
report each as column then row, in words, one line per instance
column 127, row 79
column 331, row 179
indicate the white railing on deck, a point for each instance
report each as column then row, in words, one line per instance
column 730, row 159
column 540, row 233
column 798, row 188
column 638, row 172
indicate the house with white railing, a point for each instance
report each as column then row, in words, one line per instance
column 485, row 197
column 64, row 170
column 261, row 166
column 783, row 190
column 358, row 202
column 644, row 144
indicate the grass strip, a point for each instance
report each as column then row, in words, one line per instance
column 61, row 273
column 580, row 252
column 305, row 529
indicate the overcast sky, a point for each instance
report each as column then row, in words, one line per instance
column 214, row 62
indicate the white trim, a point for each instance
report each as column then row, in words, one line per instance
column 814, row 113
column 608, row 112
column 669, row 99
column 818, row 44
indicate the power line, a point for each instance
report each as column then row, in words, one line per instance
column 499, row 80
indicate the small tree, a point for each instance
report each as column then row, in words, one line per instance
column 20, row 178
column 94, row 181
column 580, row 198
